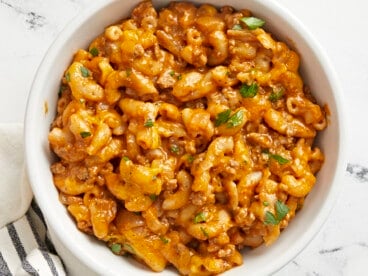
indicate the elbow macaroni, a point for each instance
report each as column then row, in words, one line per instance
column 164, row 154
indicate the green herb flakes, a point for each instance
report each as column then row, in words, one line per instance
column 205, row 233
column 200, row 217
column 67, row 77
column 172, row 73
column 237, row 27
column 61, row 90
column 85, row 72
column 153, row 197
column 222, row 117
column 148, row 123
column 230, row 121
column 253, row 22
column 281, row 160
column 116, row 248
column 175, row 149
column 126, row 158
column 270, row 219
column 235, row 120
column 191, row 158
column 85, row 134
column 248, row 91
column 276, row 95
column 164, row 239
column 281, row 210
column 94, row 51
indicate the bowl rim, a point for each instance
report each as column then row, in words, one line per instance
column 327, row 206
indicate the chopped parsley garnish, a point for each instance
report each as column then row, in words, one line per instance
column 67, row 77
column 265, row 203
column 175, row 149
column 125, row 158
column 200, row 217
column 153, row 197
column 248, row 91
column 61, row 90
column 237, row 27
column 235, row 120
column 281, row 160
column 128, row 72
column 172, row 73
column 222, row 117
column 148, row 123
column 179, row 77
column 253, row 22
column 116, row 248
column 85, row 134
column 276, row 95
column 191, row 158
column 204, row 231
column 85, row 72
column 281, row 210
column 270, row 219
column 164, row 239
column 231, row 121
column 94, row 51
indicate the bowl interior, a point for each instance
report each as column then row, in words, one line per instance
column 317, row 74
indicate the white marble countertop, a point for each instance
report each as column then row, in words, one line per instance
column 27, row 28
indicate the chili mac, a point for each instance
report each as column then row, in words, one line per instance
column 184, row 135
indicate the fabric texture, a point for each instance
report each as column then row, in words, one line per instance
column 15, row 193
column 25, row 248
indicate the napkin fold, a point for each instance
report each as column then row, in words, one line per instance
column 15, row 192
column 25, row 248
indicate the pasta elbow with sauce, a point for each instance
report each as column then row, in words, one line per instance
column 184, row 135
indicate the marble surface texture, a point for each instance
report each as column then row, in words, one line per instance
column 27, row 28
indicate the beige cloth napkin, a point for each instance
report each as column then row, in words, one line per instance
column 15, row 192
column 24, row 246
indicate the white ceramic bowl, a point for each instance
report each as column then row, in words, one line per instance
column 83, row 255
